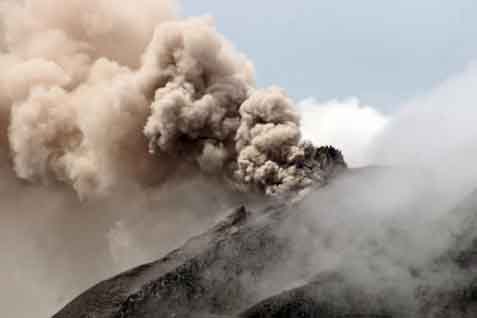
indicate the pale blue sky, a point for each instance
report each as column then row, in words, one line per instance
column 378, row 50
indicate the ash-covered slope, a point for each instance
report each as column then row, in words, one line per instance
column 338, row 251
column 457, row 298
column 329, row 295
column 444, row 286
column 211, row 273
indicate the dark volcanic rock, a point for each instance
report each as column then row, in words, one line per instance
column 208, row 275
column 204, row 276
column 220, row 273
column 327, row 296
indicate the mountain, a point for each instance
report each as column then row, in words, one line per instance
column 272, row 261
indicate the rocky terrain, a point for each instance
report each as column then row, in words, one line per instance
column 249, row 265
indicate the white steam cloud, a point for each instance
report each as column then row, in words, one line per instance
column 346, row 125
column 376, row 226
column 435, row 131
column 385, row 227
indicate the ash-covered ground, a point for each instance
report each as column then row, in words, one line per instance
column 335, row 250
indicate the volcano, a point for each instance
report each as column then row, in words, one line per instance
column 247, row 266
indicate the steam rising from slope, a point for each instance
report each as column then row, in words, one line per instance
column 437, row 130
column 378, row 225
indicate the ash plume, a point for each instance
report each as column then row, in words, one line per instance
column 87, row 100
column 117, row 121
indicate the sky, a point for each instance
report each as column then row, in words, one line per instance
column 382, row 52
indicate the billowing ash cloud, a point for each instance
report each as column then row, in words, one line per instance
column 90, row 90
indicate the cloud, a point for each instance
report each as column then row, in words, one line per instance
column 345, row 124
column 435, row 131
column 377, row 225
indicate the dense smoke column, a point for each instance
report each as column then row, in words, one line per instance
column 206, row 110
column 82, row 98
